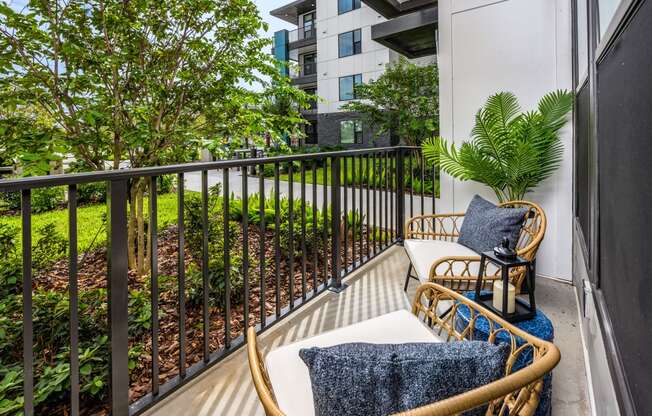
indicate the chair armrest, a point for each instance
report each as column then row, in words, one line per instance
column 517, row 393
column 460, row 273
column 434, row 227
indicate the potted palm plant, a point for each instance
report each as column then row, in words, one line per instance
column 510, row 151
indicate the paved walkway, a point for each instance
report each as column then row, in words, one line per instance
column 193, row 183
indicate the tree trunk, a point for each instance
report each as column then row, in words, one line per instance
column 131, row 231
column 138, row 242
column 140, row 253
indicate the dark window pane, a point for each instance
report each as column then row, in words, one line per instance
column 346, row 44
column 344, row 6
column 346, row 88
column 358, row 131
column 347, row 132
column 311, row 133
column 357, row 42
column 357, row 80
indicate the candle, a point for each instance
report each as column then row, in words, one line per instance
column 498, row 297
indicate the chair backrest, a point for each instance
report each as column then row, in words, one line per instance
column 260, row 376
column 517, row 393
column 534, row 228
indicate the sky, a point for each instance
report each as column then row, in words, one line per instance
column 265, row 6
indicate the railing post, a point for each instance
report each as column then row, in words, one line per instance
column 400, row 195
column 118, row 268
column 336, row 223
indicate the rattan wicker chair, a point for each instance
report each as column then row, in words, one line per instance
column 456, row 266
column 517, row 393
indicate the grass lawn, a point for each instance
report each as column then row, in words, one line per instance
column 89, row 221
column 320, row 172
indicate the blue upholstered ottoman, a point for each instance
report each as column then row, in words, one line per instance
column 539, row 326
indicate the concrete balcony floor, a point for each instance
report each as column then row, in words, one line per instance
column 375, row 289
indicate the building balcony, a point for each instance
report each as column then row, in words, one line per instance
column 302, row 37
column 374, row 290
column 290, row 12
column 390, row 9
column 186, row 317
column 412, row 35
column 304, row 74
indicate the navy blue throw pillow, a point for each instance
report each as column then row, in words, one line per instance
column 382, row 379
column 485, row 225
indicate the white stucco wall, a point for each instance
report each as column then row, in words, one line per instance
column 370, row 63
column 523, row 46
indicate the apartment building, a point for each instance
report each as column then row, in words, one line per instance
column 341, row 43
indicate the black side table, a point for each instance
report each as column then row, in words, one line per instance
column 523, row 310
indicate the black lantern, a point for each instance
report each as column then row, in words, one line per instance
column 506, row 259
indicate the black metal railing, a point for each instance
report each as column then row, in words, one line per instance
column 308, row 32
column 314, row 219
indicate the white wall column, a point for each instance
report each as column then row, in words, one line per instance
column 522, row 46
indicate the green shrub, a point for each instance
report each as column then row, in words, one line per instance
column 268, row 170
column 51, row 348
column 354, row 221
column 216, row 264
column 10, row 261
column 91, row 193
column 11, row 200
column 47, row 199
column 50, row 247
column 166, row 184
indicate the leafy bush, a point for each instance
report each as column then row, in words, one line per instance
column 11, row 200
column 43, row 199
column 10, row 262
column 50, row 247
column 216, row 264
column 354, row 221
column 268, row 170
column 47, row 199
column 166, row 184
column 91, row 193
column 51, row 348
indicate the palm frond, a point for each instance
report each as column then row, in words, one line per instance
column 503, row 106
column 554, row 107
column 511, row 152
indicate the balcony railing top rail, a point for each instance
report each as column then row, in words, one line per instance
column 303, row 33
column 284, row 261
column 16, row 184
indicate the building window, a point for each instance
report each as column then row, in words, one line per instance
column 313, row 100
column 309, row 66
column 351, row 132
column 308, row 26
column 311, row 132
column 344, row 6
column 606, row 10
column 350, row 43
column 347, row 86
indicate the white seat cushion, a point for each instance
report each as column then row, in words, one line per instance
column 290, row 377
column 423, row 253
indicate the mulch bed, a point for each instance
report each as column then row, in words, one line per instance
column 92, row 274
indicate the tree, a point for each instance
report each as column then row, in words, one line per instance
column 403, row 101
column 510, row 151
column 29, row 139
column 142, row 80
